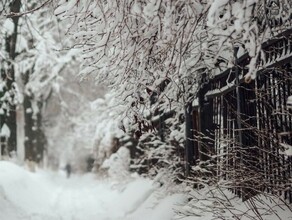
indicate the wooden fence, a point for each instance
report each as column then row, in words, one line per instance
column 247, row 126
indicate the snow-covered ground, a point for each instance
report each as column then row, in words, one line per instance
column 47, row 195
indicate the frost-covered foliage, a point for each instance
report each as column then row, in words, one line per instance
column 134, row 46
column 40, row 60
column 220, row 203
column 137, row 46
column 118, row 164
column 246, row 25
column 35, row 50
column 107, row 129
column 150, row 53
column 38, row 65
column 46, row 72
column 154, row 156
column 8, row 88
column 234, row 24
column 38, row 69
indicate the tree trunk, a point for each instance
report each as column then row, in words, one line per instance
column 34, row 137
column 9, row 78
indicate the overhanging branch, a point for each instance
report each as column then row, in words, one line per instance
column 12, row 14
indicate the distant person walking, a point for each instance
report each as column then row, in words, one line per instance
column 68, row 170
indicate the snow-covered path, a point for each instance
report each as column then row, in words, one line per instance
column 45, row 195
column 71, row 201
column 51, row 196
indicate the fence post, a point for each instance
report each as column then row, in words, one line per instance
column 189, row 145
column 238, row 108
column 206, row 124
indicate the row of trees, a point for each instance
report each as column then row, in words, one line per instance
column 8, row 46
column 31, row 65
column 46, row 112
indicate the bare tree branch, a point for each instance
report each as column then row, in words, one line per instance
column 12, row 15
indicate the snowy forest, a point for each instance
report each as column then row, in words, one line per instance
column 145, row 109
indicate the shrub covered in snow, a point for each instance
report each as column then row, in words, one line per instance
column 118, row 164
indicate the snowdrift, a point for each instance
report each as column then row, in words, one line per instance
column 22, row 194
column 51, row 196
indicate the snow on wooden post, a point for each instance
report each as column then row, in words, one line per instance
column 4, row 135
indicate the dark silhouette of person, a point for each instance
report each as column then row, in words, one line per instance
column 68, row 169
column 90, row 164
